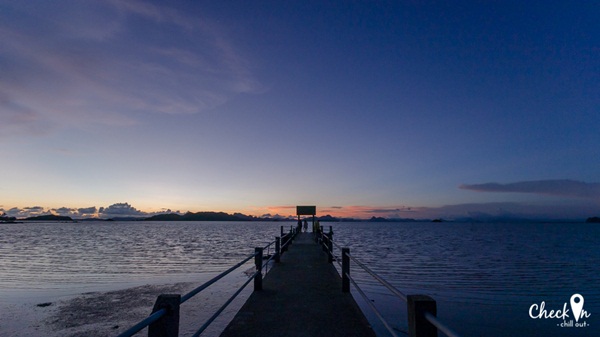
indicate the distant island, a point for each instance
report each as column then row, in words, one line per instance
column 50, row 217
column 222, row 216
column 6, row 218
column 201, row 216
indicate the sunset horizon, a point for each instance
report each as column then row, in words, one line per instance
column 398, row 109
column 154, row 150
column 551, row 199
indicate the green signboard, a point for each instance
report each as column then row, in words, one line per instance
column 306, row 210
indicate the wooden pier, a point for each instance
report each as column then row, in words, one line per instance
column 301, row 296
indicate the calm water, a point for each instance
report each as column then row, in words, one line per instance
column 55, row 257
column 485, row 277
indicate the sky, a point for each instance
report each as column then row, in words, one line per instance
column 413, row 109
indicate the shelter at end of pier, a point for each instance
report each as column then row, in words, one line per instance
column 306, row 210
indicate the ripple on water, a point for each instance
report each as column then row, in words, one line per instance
column 483, row 275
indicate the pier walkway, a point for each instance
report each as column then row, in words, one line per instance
column 301, row 296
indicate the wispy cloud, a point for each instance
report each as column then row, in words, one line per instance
column 17, row 118
column 365, row 212
column 110, row 62
column 155, row 13
column 566, row 188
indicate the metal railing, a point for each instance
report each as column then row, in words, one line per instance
column 422, row 309
column 164, row 319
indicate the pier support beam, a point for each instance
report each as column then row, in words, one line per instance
column 330, row 248
column 345, row 270
column 258, row 261
column 418, row 325
column 278, row 249
column 168, row 325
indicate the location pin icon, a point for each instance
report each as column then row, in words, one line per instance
column 576, row 305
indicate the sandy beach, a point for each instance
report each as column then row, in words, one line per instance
column 97, row 314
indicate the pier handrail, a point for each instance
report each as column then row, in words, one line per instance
column 163, row 311
column 268, row 247
column 143, row 323
column 269, row 244
column 214, row 279
column 160, row 313
column 220, row 310
column 440, row 325
column 418, row 305
column 371, row 305
column 385, row 283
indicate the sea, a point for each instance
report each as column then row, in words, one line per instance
column 488, row 279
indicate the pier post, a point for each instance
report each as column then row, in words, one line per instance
column 320, row 235
column 330, row 248
column 282, row 231
column 258, row 261
column 345, row 269
column 278, row 249
column 284, row 243
column 418, row 325
column 167, row 325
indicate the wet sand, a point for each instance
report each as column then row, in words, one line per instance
column 109, row 313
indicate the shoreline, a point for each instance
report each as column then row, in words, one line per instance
column 108, row 313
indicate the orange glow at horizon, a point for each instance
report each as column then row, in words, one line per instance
column 358, row 212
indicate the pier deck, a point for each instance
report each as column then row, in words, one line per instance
column 301, row 296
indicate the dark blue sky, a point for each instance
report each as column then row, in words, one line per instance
column 396, row 109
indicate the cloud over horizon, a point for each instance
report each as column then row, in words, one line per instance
column 482, row 210
column 561, row 187
column 115, row 210
column 120, row 209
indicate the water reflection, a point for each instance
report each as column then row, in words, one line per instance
column 51, row 255
column 484, row 276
